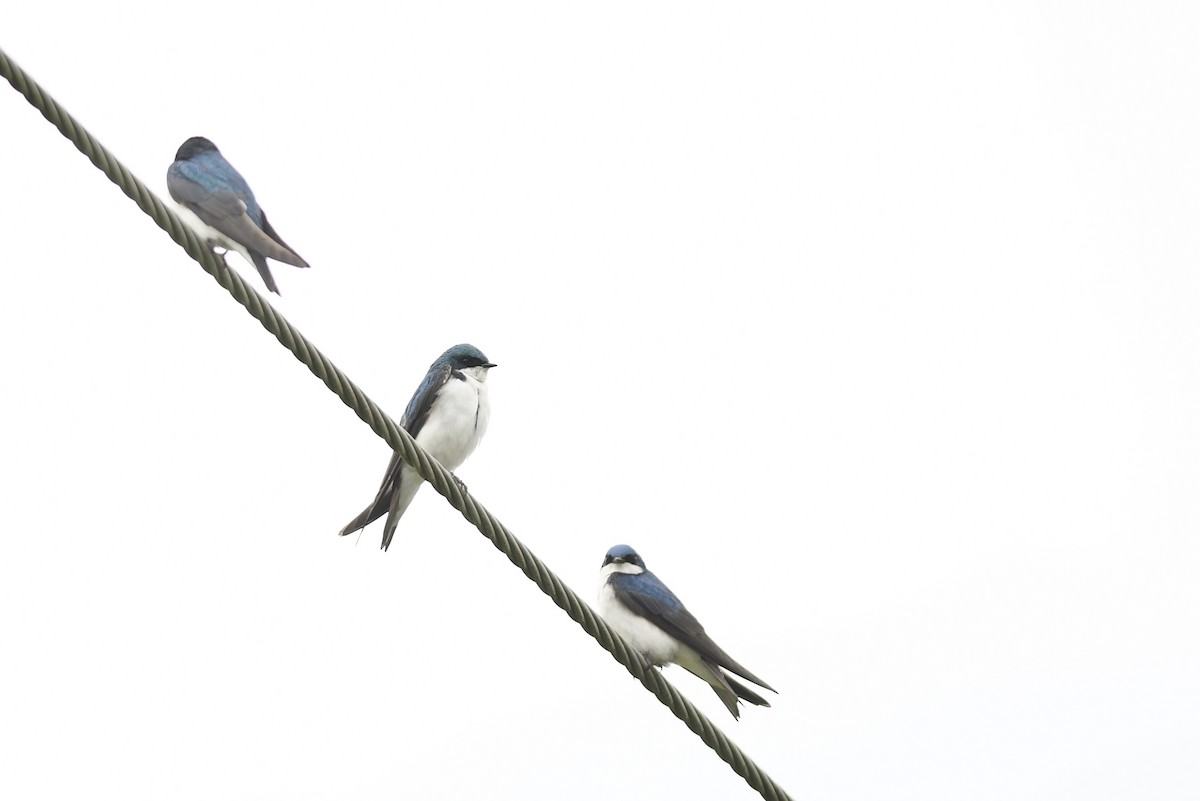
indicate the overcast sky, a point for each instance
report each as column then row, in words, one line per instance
column 874, row 327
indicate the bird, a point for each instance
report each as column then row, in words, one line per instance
column 447, row 416
column 651, row 619
column 215, row 201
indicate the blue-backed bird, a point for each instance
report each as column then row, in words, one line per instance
column 447, row 416
column 651, row 619
column 216, row 202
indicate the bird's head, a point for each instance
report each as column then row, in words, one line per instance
column 623, row 560
column 465, row 357
column 194, row 147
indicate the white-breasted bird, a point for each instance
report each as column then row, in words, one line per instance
column 653, row 620
column 447, row 416
column 215, row 201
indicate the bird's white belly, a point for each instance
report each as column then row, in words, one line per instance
column 457, row 422
column 653, row 643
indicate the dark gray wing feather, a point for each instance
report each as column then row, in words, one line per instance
column 383, row 498
column 295, row 261
column 225, row 211
column 414, row 419
column 746, row 693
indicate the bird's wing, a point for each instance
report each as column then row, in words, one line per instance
column 742, row 691
column 294, row 259
column 645, row 595
column 414, row 418
column 224, row 210
column 422, row 400
column 383, row 498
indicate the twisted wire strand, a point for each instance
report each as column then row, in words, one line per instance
column 399, row 439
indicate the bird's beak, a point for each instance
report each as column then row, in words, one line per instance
column 488, row 365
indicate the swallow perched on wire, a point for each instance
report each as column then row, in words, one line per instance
column 447, row 416
column 216, row 202
column 650, row 618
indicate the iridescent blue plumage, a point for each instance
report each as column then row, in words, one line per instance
column 215, row 200
column 652, row 619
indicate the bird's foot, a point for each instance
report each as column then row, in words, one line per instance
column 459, row 482
column 219, row 251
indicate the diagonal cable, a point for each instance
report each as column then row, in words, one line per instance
column 399, row 439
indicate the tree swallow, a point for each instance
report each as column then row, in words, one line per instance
column 650, row 618
column 216, row 202
column 447, row 416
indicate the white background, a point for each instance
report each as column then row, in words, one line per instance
column 872, row 326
